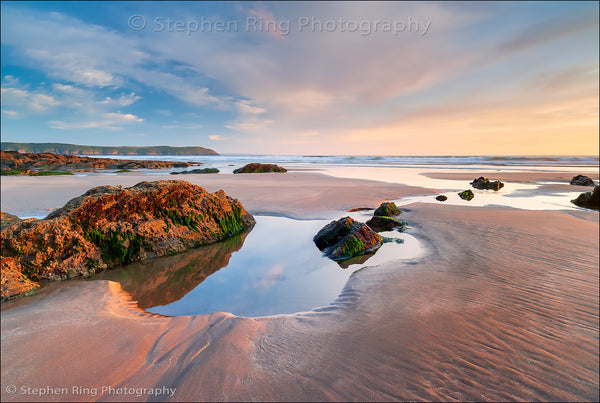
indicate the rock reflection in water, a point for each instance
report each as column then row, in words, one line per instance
column 360, row 259
column 167, row 279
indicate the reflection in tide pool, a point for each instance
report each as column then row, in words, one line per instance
column 277, row 271
column 515, row 195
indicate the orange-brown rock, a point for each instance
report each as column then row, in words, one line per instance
column 107, row 227
column 26, row 162
column 6, row 220
column 12, row 281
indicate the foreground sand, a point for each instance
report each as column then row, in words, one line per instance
column 503, row 307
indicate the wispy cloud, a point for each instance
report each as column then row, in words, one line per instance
column 185, row 126
column 109, row 121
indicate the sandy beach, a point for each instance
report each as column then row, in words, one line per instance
column 298, row 195
column 503, row 306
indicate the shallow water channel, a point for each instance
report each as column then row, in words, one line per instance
column 273, row 269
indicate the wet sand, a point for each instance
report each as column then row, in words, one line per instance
column 511, row 176
column 504, row 306
column 291, row 194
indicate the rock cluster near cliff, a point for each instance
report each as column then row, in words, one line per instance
column 258, row 168
column 15, row 163
column 109, row 226
column 346, row 238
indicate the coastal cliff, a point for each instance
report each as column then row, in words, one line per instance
column 74, row 149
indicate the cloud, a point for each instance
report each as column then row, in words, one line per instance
column 548, row 31
column 216, row 137
column 109, row 121
column 33, row 101
column 9, row 113
column 89, row 55
column 246, row 108
column 185, row 126
column 123, row 100
column 93, row 111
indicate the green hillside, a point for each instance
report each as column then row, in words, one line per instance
column 73, row 149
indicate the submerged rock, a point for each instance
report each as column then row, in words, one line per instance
column 197, row 171
column 466, row 194
column 382, row 223
column 589, row 200
column 485, row 184
column 441, row 198
column 109, row 226
column 259, row 168
column 346, row 238
column 582, row 180
column 387, row 209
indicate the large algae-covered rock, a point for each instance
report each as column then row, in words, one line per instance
column 346, row 238
column 486, row 184
column 256, row 167
column 589, row 200
column 109, row 226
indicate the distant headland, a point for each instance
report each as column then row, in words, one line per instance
column 74, row 149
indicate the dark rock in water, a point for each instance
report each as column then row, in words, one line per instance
column 346, row 238
column 589, row 200
column 581, row 180
column 109, row 226
column 441, row 198
column 485, row 184
column 259, row 168
column 382, row 223
column 387, row 209
column 197, row 171
column 466, row 194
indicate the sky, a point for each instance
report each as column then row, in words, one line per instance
column 312, row 78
